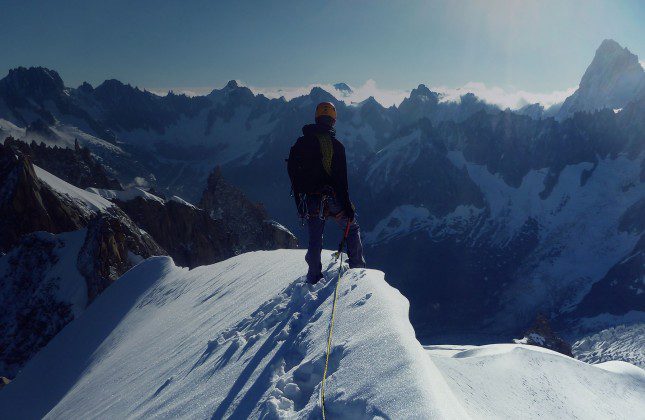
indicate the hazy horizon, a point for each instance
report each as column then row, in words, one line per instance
column 507, row 52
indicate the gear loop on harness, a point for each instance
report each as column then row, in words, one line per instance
column 322, row 212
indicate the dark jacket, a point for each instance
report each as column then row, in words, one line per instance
column 308, row 149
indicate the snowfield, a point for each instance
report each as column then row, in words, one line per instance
column 245, row 338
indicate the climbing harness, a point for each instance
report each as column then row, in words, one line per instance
column 337, row 255
column 322, row 212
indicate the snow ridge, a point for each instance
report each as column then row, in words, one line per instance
column 88, row 200
column 245, row 338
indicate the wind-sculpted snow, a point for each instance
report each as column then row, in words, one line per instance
column 245, row 338
column 518, row 381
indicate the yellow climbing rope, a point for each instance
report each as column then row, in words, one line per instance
column 339, row 254
column 331, row 331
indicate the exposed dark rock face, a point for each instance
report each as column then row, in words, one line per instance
column 112, row 246
column 190, row 235
column 76, row 166
column 32, row 313
column 28, row 205
column 36, row 301
column 100, row 244
column 30, row 92
column 541, row 334
column 127, row 107
column 229, row 224
column 248, row 220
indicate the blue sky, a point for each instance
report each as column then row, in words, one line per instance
column 537, row 46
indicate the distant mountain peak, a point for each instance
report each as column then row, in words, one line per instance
column 424, row 94
column 86, row 87
column 610, row 61
column 38, row 81
column 371, row 101
column 321, row 95
column 112, row 85
column 36, row 72
column 343, row 87
column 610, row 45
column 612, row 80
column 232, row 84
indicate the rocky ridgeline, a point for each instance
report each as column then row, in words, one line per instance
column 58, row 252
column 37, row 264
column 29, row 205
column 227, row 224
column 540, row 334
column 249, row 220
column 463, row 191
column 76, row 166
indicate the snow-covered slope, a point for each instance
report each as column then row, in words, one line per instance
column 518, row 381
column 245, row 338
column 87, row 200
column 126, row 195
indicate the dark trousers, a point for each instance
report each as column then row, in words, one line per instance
column 317, row 212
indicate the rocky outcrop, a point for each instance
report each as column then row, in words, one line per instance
column 57, row 254
column 541, row 334
column 76, row 166
column 112, row 246
column 28, row 205
column 32, row 312
column 248, row 220
column 189, row 234
column 230, row 224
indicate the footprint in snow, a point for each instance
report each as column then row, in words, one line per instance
column 362, row 300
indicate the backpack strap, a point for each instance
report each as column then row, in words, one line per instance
column 327, row 151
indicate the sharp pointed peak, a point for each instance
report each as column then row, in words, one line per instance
column 371, row 102
column 609, row 45
column 232, row 84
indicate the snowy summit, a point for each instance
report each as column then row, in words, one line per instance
column 245, row 338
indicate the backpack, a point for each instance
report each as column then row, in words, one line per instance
column 309, row 164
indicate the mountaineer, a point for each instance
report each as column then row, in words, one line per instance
column 318, row 171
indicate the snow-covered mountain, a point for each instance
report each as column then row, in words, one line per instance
column 614, row 78
column 62, row 246
column 482, row 217
column 245, row 338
